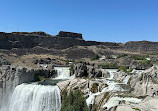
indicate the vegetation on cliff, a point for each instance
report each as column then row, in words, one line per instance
column 74, row 102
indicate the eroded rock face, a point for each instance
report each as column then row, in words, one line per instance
column 141, row 46
column 119, row 76
column 87, row 70
column 70, row 34
column 35, row 39
column 148, row 104
column 148, row 83
column 86, row 86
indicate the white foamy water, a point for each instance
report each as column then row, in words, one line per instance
column 114, row 101
column 137, row 71
column 62, row 72
column 112, row 86
column 112, row 72
column 126, row 79
column 31, row 97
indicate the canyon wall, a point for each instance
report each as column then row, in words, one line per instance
column 61, row 41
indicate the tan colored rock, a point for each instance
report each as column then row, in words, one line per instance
column 124, row 108
column 148, row 104
column 63, row 85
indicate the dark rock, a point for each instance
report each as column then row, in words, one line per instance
column 84, row 70
column 70, row 34
column 141, row 46
column 39, row 39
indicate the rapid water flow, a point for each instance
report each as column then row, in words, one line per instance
column 62, row 72
column 114, row 101
column 35, row 97
column 126, row 79
column 113, row 86
column 31, row 97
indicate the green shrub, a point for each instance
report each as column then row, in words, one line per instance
column 137, row 109
column 41, row 78
column 137, row 57
column 130, row 69
column 74, row 102
column 145, row 62
column 108, row 66
column 67, row 61
column 125, row 69
column 96, row 57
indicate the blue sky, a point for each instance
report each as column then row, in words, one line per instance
column 99, row 20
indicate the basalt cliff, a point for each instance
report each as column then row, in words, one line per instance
column 66, row 40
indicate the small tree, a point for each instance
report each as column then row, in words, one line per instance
column 74, row 102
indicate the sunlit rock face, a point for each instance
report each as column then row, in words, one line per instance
column 147, row 84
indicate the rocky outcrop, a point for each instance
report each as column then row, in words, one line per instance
column 86, row 86
column 141, row 46
column 88, row 70
column 67, row 39
column 148, row 83
column 40, row 39
column 148, row 104
column 70, row 34
column 39, row 33
column 119, row 76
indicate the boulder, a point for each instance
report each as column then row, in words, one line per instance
column 87, row 70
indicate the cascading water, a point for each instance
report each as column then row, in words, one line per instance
column 62, row 72
column 113, row 86
column 126, row 79
column 35, row 97
column 114, row 101
column 111, row 72
column 32, row 97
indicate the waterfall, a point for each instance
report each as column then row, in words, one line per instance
column 114, row 101
column 62, row 72
column 111, row 72
column 32, row 97
column 126, row 79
